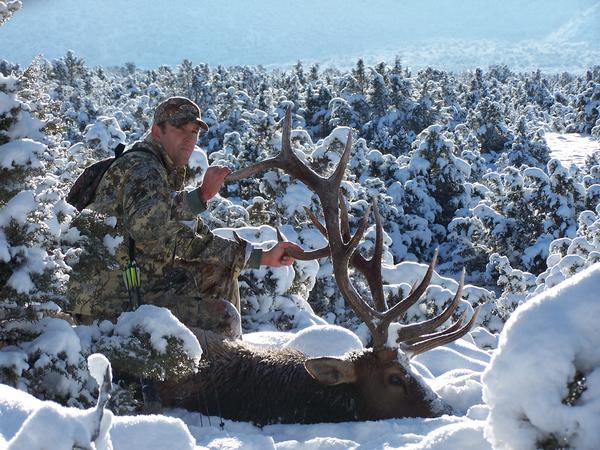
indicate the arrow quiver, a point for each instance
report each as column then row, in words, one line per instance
column 132, row 279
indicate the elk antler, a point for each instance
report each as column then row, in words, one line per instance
column 413, row 338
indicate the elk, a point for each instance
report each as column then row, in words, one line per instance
column 242, row 382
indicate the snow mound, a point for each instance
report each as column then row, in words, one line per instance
column 534, row 385
column 31, row 424
column 98, row 364
column 159, row 323
column 325, row 340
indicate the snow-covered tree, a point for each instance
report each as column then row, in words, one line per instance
column 8, row 8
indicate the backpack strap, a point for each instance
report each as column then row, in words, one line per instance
column 119, row 149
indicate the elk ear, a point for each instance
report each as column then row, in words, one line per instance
column 330, row 371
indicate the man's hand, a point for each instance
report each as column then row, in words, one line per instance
column 212, row 182
column 277, row 257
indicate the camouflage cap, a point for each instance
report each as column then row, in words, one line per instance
column 178, row 111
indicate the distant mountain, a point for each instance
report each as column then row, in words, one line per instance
column 583, row 27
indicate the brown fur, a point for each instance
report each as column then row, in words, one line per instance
column 243, row 382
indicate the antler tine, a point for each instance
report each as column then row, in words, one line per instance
column 301, row 254
column 247, row 172
column 402, row 306
column 337, row 176
column 441, row 339
column 315, row 221
column 308, row 255
column 285, row 160
column 286, row 132
column 237, row 237
column 378, row 252
column 422, row 328
column 371, row 268
column 280, row 236
column 358, row 234
column 344, row 221
column 455, row 326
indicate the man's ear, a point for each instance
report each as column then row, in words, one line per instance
column 155, row 132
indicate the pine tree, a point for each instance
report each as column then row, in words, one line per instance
column 378, row 97
column 359, row 74
column 8, row 8
column 34, row 220
column 299, row 71
column 446, row 174
column 528, row 147
column 487, row 120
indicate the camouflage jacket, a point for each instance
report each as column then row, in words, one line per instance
column 144, row 191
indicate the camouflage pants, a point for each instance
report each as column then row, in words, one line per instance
column 198, row 305
column 201, row 298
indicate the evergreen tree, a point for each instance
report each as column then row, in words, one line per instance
column 528, row 147
column 359, row 75
column 33, row 222
column 378, row 97
column 299, row 71
column 434, row 166
column 8, row 8
column 488, row 123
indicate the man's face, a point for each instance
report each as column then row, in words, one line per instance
column 178, row 142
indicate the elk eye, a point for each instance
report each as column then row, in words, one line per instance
column 395, row 379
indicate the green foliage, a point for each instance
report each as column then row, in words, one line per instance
column 136, row 357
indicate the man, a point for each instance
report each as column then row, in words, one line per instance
column 187, row 269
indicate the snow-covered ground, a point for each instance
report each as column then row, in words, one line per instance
column 571, row 148
column 454, row 371
column 513, row 390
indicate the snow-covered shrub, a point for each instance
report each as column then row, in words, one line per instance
column 543, row 383
column 515, row 284
column 8, row 8
column 528, row 147
column 587, row 106
column 32, row 214
column 569, row 256
column 44, row 357
column 489, row 124
column 103, row 135
column 439, row 173
column 149, row 343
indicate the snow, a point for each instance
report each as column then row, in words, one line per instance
column 151, row 432
column 571, row 149
column 454, row 372
column 57, row 337
column 325, row 340
column 527, row 406
column 97, row 364
column 30, row 424
column 159, row 323
column 21, row 152
column 180, row 429
column 17, row 208
column 511, row 384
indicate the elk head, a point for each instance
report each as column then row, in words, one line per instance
column 384, row 383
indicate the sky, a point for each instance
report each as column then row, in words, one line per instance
column 443, row 33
